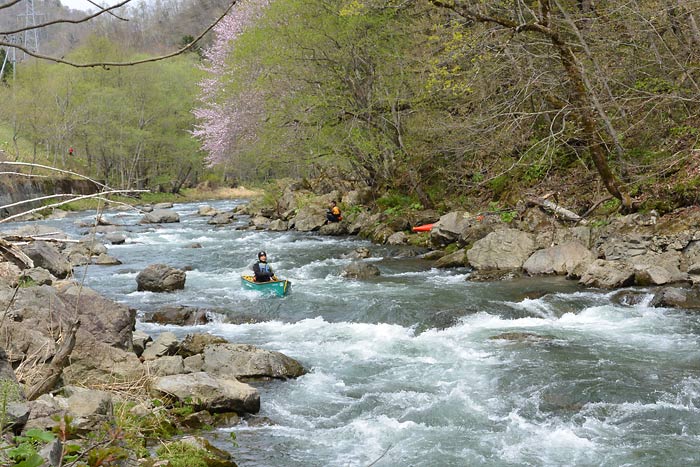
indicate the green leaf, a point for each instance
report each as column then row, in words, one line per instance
column 36, row 434
column 35, row 460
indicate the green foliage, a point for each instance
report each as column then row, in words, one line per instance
column 535, row 172
column 180, row 454
column 683, row 131
column 506, row 215
column 138, row 429
column 26, row 281
column 499, row 185
column 25, row 452
column 610, row 206
column 394, row 202
column 129, row 126
column 655, row 86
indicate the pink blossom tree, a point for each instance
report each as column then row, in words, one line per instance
column 229, row 112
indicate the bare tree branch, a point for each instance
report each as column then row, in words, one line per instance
column 59, row 21
column 99, row 195
column 119, row 64
column 30, row 164
column 8, row 5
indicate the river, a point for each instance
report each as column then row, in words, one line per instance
column 404, row 368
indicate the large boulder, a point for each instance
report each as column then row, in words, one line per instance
column 676, row 297
column 207, row 210
column 359, row 196
column 608, row 274
column 249, row 362
column 160, row 278
column 309, row 218
column 207, row 392
column 571, row 258
column 47, row 256
column 37, row 315
column 222, row 218
column 107, row 321
column 360, row 270
column 453, row 260
column 179, row 315
column 449, row 228
column 334, row 229
column 502, row 250
column 658, row 268
column 96, row 361
column 160, row 216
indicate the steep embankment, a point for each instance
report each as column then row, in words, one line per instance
column 15, row 189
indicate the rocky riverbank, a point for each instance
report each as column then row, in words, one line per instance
column 537, row 238
column 72, row 363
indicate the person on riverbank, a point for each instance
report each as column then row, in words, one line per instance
column 262, row 270
column 333, row 214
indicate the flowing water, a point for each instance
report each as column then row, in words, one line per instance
column 404, row 369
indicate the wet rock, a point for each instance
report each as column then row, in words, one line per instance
column 360, row 270
column 160, row 278
column 334, row 229
column 207, row 211
column 629, row 297
column 222, row 218
column 453, row 260
column 358, row 253
column 676, row 297
column 179, row 315
column 209, row 393
column 249, row 362
column 115, row 238
column 106, row 260
column 160, row 216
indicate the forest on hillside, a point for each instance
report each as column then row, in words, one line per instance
column 441, row 102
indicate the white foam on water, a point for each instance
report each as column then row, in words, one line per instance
column 547, row 443
column 536, row 307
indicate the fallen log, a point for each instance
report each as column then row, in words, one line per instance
column 14, row 255
column 555, row 208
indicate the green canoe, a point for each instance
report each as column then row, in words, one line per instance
column 278, row 287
